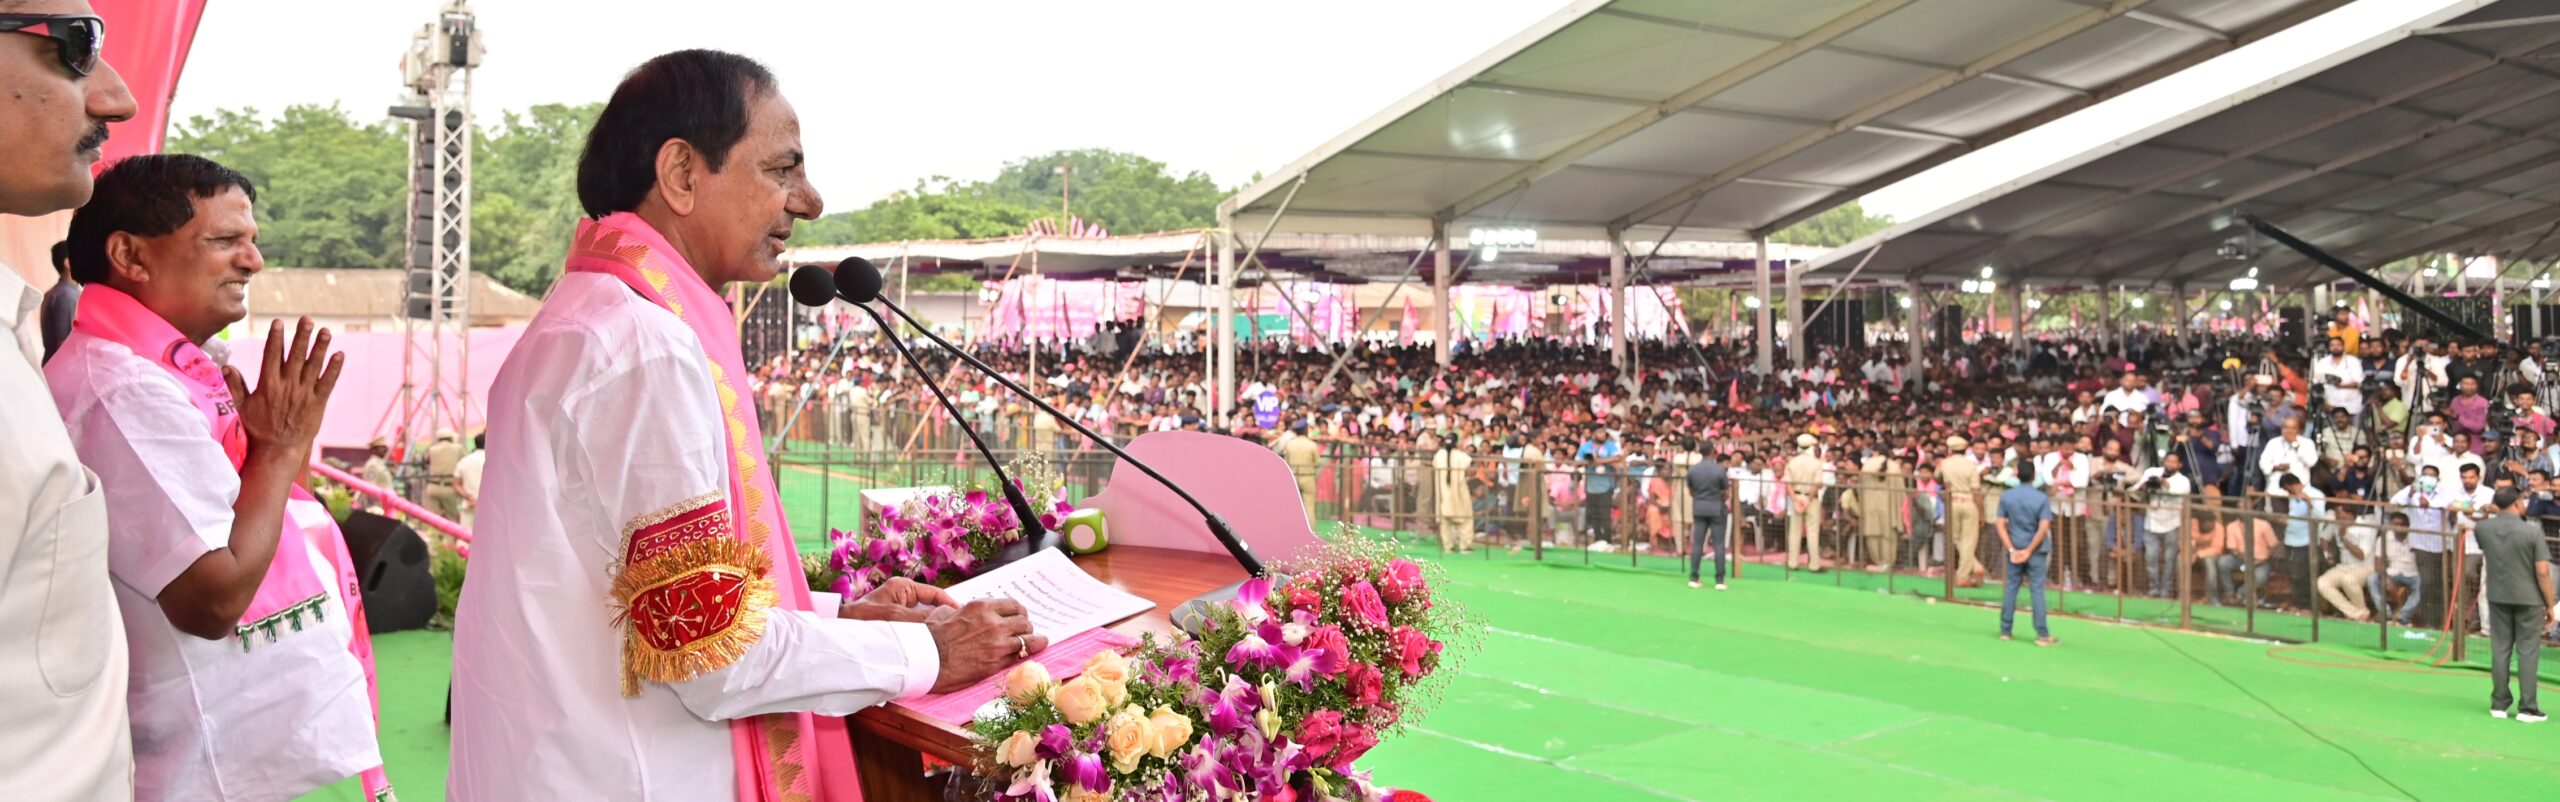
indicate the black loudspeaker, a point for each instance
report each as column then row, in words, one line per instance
column 1842, row 324
column 1950, row 325
column 2289, row 325
column 391, row 566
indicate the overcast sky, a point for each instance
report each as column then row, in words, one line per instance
column 891, row 92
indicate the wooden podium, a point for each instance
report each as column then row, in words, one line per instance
column 888, row 740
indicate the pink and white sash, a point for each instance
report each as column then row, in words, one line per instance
column 292, row 589
column 778, row 755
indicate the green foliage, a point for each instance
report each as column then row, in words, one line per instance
column 1841, row 225
column 448, row 568
column 524, row 193
column 1122, row 192
column 331, row 190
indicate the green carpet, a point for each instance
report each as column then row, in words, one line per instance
column 1613, row 680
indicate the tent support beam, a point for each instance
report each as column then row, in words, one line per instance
column 2405, row 300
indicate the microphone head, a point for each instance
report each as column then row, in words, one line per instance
column 857, row 280
column 811, row 286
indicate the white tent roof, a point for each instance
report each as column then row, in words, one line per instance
column 1348, row 258
column 1732, row 119
column 2443, row 135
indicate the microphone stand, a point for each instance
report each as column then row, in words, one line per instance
column 1190, row 615
column 1035, row 538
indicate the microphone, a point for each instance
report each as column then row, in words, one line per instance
column 859, row 283
column 811, row 286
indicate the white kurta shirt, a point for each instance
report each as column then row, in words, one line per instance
column 211, row 720
column 605, row 413
column 62, row 675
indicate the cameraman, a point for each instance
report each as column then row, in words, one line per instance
column 2163, row 491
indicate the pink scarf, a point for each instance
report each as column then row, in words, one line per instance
column 291, row 589
column 779, row 755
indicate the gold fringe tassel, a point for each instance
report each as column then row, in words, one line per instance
column 641, row 662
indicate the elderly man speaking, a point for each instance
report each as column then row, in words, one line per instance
column 636, row 626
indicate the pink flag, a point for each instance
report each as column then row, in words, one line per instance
column 1412, row 321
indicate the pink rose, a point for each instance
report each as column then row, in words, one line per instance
column 1366, row 684
column 1306, row 598
column 1356, row 741
column 1319, row 732
column 1402, row 581
column 1361, row 599
column 1330, row 639
column 1412, row 647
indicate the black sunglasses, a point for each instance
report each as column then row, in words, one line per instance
column 77, row 40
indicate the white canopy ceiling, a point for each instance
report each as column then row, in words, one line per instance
column 2440, row 136
column 1733, row 119
column 1338, row 258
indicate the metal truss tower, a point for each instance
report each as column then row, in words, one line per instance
column 435, row 366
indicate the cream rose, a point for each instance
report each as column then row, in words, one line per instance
column 1126, row 738
column 1018, row 749
column 1080, row 700
column 1079, row 794
column 1026, row 682
column 1172, row 731
column 1107, row 666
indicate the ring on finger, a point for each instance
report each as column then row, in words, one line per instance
column 1021, row 646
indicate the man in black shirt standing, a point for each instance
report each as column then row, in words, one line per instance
column 1707, row 484
column 2518, row 583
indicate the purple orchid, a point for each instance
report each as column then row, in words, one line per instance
column 1307, row 665
column 1254, row 651
column 1033, row 784
column 1055, row 740
column 1233, row 708
column 1085, row 769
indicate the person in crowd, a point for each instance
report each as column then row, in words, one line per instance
column 2065, row 474
column 2289, row 453
column 235, row 586
column 1882, row 492
column 1706, row 484
column 2025, row 523
column 2343, row 584
column 2303, row 508
column 466, row 476
column 1601, row 459
column 2399, row 569
column 1456, row 501
column 2164, row 490
column 1683, row 451
column 1804, row 485
column 1962, row 479
column 62, row 302
column 1303, row 454
column 64, row 678
column 650, row 636
column 444, row 455
column 377, row 472
column 2520, row 603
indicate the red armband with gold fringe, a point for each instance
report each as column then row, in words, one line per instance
column 690, row 596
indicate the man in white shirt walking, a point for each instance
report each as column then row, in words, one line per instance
column 63, row 675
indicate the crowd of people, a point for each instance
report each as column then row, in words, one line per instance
column 2279, row 475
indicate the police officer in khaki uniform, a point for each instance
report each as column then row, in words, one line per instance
column 1302, row 453
column 443, row 456
column 1962, row 479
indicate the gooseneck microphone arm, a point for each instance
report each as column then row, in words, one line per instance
column 818, row 289
column 853, row 287
column 1032, row 531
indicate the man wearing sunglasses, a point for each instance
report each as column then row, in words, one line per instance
column 63, row 678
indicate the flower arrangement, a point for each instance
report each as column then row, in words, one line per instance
column 936, row 539
column 1293, row 682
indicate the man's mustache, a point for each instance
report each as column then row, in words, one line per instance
column 97, row 137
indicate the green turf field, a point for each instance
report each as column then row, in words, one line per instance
column 1611, row 682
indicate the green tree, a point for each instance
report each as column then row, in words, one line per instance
column 524, row 193
column 1123, row 192
column 1839, row 226
column 329, row 188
